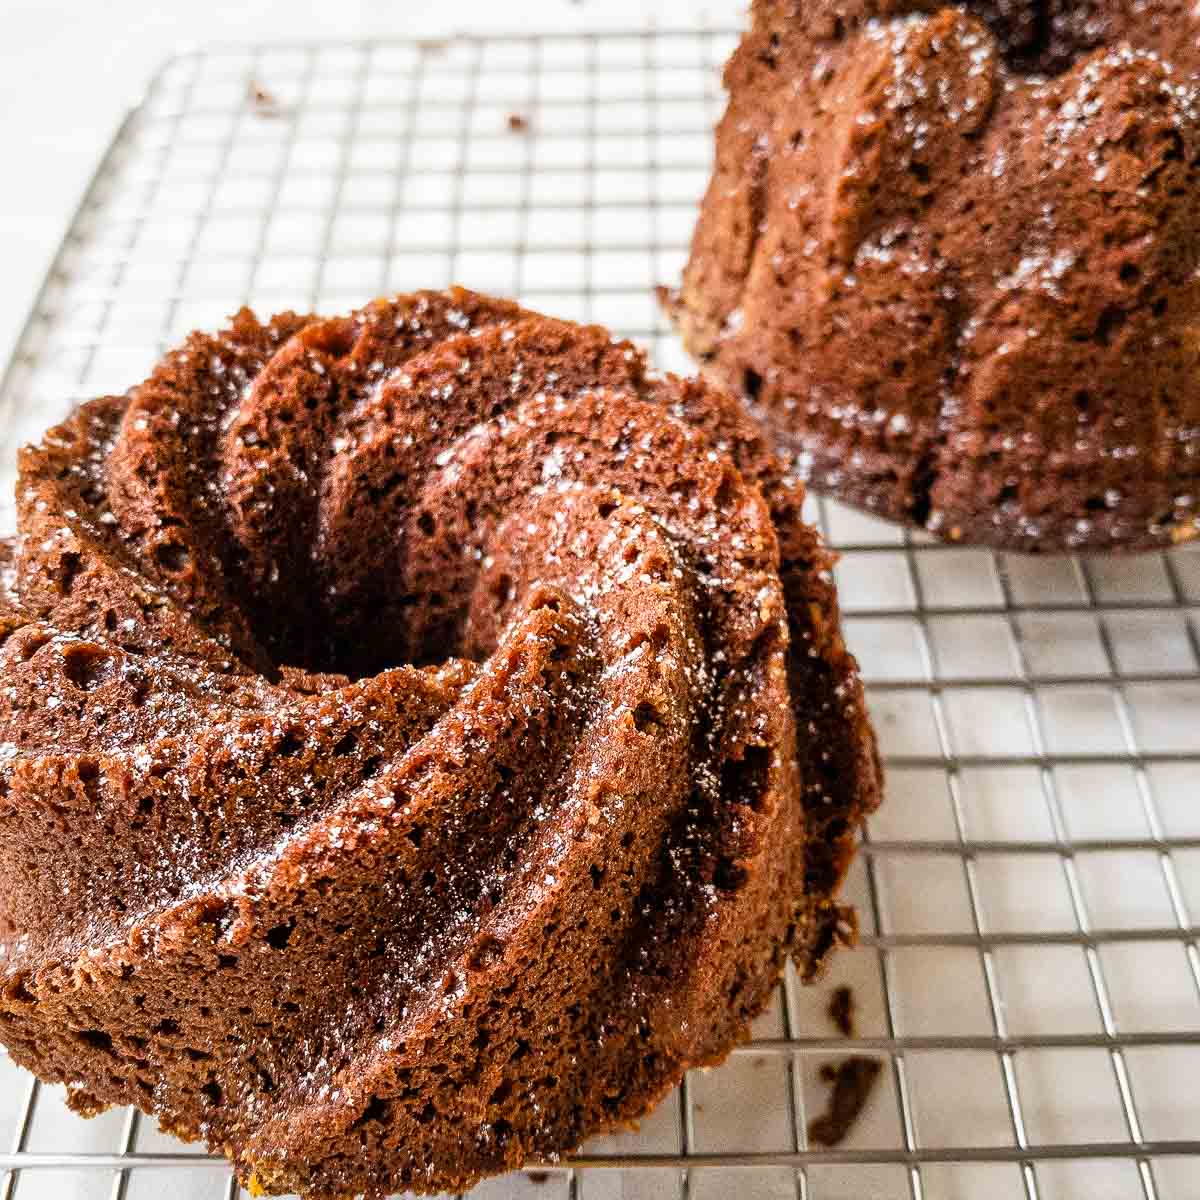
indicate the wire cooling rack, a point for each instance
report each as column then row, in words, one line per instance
column 1030, row 974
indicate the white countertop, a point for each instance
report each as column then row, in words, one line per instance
column 69, row 71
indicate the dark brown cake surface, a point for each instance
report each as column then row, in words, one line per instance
column 424, row 734
column 949, row 253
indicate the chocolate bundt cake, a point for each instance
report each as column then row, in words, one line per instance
column 425, row 734
column 949, row 253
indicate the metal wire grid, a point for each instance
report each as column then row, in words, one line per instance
column 1031, row 974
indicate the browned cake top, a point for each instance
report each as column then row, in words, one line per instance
column 403, row 715
column 950, row 252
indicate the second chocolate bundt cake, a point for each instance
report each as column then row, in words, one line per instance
column 949, row 253
column 424, row 735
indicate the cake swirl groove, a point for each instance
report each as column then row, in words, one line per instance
column 425, row 734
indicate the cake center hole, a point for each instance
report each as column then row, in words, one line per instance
column 1042, row 37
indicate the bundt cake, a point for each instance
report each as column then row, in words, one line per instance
column 949, row 253
column 425, row 734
